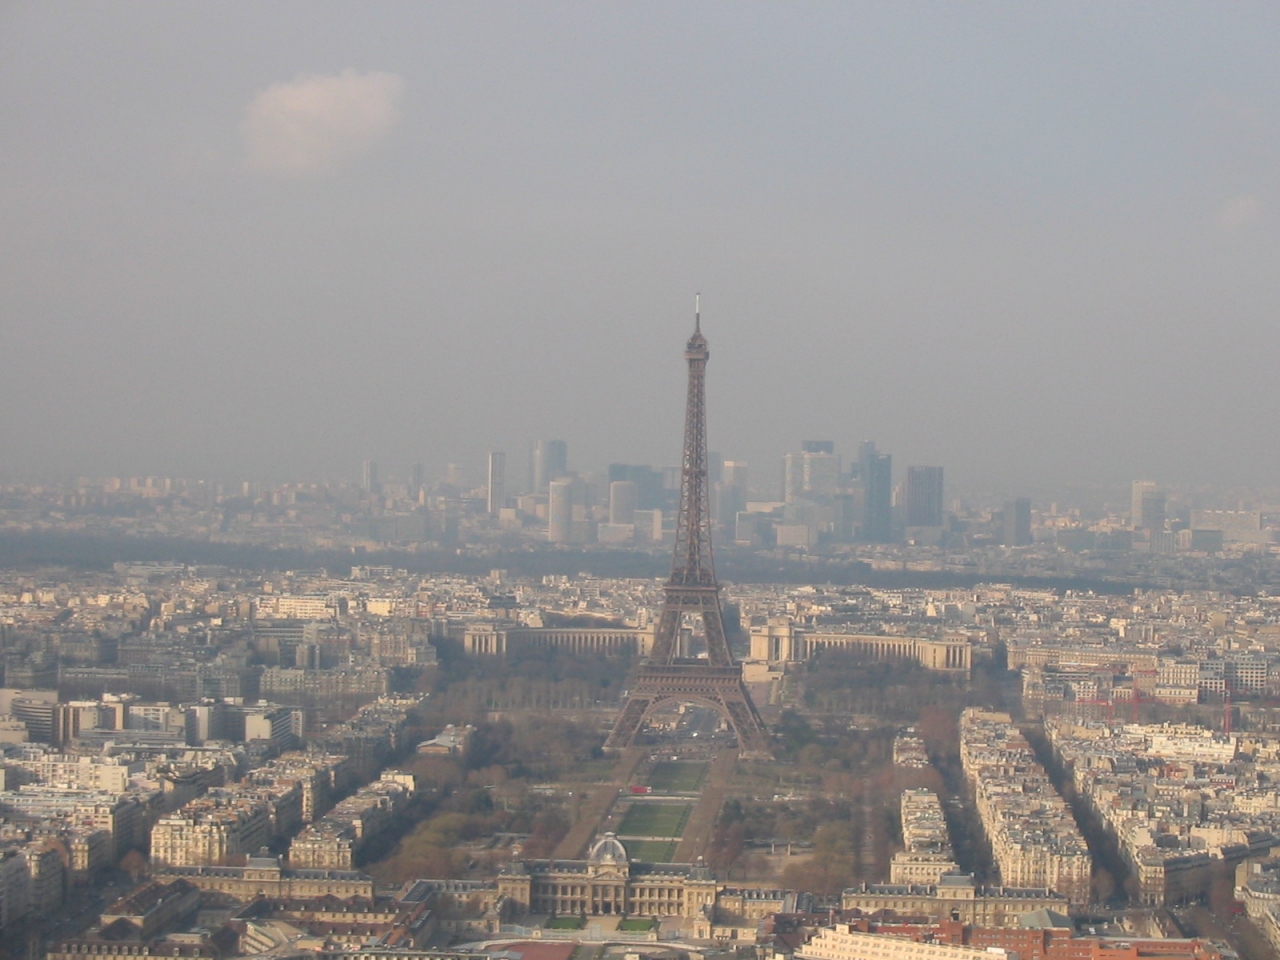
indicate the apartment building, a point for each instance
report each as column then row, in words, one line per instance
column 927, row 848
column 99, row 773
column 1034, row 838
column 846, row 942
column 334, row 842
column 216, row 829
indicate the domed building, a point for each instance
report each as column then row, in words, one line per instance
column 608, row 849
column 608, row 882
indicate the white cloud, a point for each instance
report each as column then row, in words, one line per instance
column 1240, row 211
column 312, row 125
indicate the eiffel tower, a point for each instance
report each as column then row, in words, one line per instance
column 665, row 676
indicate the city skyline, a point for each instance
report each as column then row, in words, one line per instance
column 768, row 482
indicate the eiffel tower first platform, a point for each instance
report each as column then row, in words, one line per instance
column 665, row 678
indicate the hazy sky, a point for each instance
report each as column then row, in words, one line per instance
column 1030, row 242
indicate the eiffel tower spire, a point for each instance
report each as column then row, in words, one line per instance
column 693, row 589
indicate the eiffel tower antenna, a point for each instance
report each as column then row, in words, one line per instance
column 666, row 676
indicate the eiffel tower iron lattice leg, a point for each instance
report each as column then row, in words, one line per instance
column 720, row 688
column 666, row 676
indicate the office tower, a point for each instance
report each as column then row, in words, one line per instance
column 419, row 474
column 560, row 505
column 822, row 470
column 923, row 497
column 1147, row 506
column 875, row 471
column 812, row 474
column 1136, row 491
column 497, row 482
column 727, row 501
column 1017, row 522
column 648, row 525
column 369, row 478
column 671, row 479
column 648, row 481
column 715, row 466
column 844, row 517
column 729, row 496
column 550, row 460
column 667, row 677
column 624, row 498
column 1154, row 514
column 792, row 477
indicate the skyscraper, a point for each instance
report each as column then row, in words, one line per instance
column 1136, row 490
column 560, row 505
column 623, row 500
column 812, row 474
column 648, row 481
column 369, row 478
column 1017, row 522
column 729, row 496
column 550, row 460
column 735, row 472
column 924, row 497
column 875, row 471
column 792, row 477
column 497, row 482
column 727, row 501
column 1155, row 510
column 1147, row 506
column 715, row 466
column 843, row 517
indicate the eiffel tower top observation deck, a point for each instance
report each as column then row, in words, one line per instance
column 717, row 680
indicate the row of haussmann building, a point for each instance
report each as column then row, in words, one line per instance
column 1034, row 838
column 1178, row 799
column 294, row 798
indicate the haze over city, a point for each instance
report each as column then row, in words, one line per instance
column 639, row 481
column 1034, row 244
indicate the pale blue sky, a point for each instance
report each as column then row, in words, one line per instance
column 1032, row 242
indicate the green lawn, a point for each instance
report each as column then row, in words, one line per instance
column 651, row 851
column 677, row 777
column 565, row 923
column 655, row 820
column 636, row 924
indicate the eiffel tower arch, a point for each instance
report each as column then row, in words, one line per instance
column 665, row 677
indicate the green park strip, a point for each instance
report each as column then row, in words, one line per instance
column 651, row 851
column 566, row 923
column 677, row 777
column 655, row 820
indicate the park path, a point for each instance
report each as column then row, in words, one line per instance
column 597, row 806
column 702, row 822
column 867, row 838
